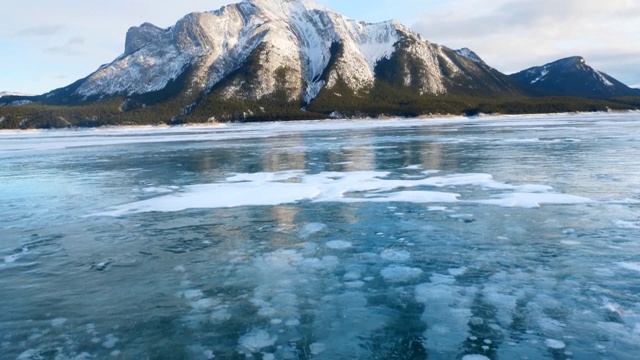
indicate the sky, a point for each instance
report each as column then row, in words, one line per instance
column 48, row 44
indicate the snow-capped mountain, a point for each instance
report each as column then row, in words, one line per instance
column 293, row 49
column 572, row 77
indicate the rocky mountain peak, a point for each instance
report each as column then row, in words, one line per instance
column 138, row 36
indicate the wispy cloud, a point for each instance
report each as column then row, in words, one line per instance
column 41, row 30
column 72, row 47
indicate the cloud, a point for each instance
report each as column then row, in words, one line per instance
column 516, row 34
column 72, row 47
column 41, row 30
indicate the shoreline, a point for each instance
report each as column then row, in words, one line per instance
column 424, row 119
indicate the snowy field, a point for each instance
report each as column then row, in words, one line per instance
column 473, row 239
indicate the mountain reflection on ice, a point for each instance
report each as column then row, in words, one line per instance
column 501, row 238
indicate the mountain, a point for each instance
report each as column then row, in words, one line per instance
column 292, row 51
column 572, row 77
column 291, row 59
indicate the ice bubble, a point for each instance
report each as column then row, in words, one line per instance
column 58, row 322
column 570, row 242
column 339, row 245
column 396, row 273
column 395, row 255
column 111, row 341
column 257, row 340
column 268, row 357
column 457, row 271
column 352, row 275
column 554, row 344
column 329, row 262
column 204, row 303
column 354, row 284
column 317, row 348
column 292, row 322
column 208, row 354
column 193, row 294
column 311, row 229
column 114, row 353
column 442, row 279
column 180, row 268
column 475, row 357
column 220, row 315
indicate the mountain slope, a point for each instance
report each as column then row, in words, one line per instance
column 572, row 77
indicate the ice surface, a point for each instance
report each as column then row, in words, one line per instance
column 269, row 282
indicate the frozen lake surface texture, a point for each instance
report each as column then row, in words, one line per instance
column 466, row 239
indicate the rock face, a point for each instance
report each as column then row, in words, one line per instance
column 571, row 77
column 287, row 47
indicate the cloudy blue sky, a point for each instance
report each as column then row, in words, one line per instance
column 48, row 44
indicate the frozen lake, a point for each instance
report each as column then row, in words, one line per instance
column 468, row 239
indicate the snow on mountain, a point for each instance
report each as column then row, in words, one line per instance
column 467, row 53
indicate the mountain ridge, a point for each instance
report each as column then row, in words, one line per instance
column 276, row 59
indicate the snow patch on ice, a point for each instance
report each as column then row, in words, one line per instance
column 270, row 189
column 534, row 200
column 58, row 322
